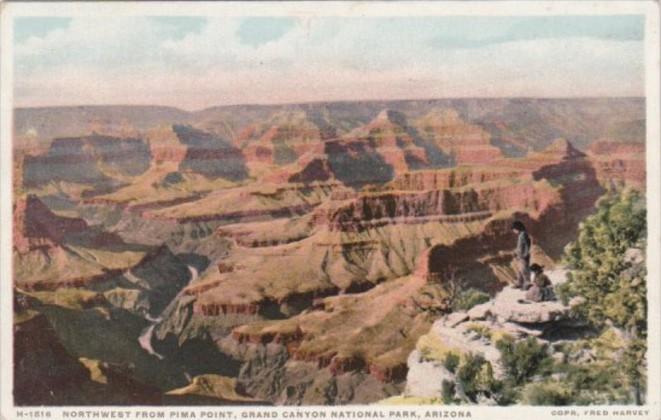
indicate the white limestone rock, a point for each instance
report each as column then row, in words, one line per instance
column 479, row 312
column 455, row 318
column 425, row 378
column 511, row 305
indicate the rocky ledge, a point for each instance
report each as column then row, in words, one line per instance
column 510, row 306
column 478, row 330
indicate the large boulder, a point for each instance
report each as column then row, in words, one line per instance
column 425, row 377
column 510, row 305
column 477, row 331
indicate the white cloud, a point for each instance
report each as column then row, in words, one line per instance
column 134, row 61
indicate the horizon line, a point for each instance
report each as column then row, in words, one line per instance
column 313, row 102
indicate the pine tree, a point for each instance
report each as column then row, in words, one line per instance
column 612, row 281
column 613, row 286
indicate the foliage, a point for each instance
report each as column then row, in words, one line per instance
column 608, row 271
column 596, row 380
column 447, row 392
column 455, row 287
column 634, row 367
column 466, row 299
column 564, row 292
column 594, row 383
column 431, row 347
column 505, row 393
column 475, row 376
column 600, row 270
column 523, row 359
column 451, row 362
column 547, row 393
column 480, row 331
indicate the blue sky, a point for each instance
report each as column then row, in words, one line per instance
column 259, row 30
column 194, row 62
column 38, row 27
column 457, row 31
column 475, row 32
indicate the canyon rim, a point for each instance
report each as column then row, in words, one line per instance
column 252, row 208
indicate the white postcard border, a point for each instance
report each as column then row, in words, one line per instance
column 310, row 9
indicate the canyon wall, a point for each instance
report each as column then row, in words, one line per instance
column 299, row 250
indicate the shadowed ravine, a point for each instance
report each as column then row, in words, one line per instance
column 145, row 338
column 295, row 255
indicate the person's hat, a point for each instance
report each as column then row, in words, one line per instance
column 518, row 225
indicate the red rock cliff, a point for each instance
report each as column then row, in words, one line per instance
column 619, row 163
column 36, row 226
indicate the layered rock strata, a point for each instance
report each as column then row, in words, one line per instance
column 465, row 143
column 619, row 164
column 99, row 160
column 362, row 244
column 35, row 226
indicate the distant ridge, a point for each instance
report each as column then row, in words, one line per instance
column 327, row 102
column 514, row 124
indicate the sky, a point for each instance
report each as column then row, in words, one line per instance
column 196, row 62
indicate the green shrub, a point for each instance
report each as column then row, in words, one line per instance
column 564, row 292
column 475, row 375
column 600, row 271
column 596, row 383
column 523, row 359
column 481, row 331
column 448, row 391
column 505, row 393
column 467, row 374
column 466, row 299
column 451, row 362
column 547, row 393
column 613, row 284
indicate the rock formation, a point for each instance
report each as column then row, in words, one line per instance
column 35, row 226
column 210, row 155
column 187, row 164
column 282, row 139
column 53, row 252
column 478, row 330
column 465, row 143
column 213, row 389
column 46, row 371
column 389, row 135
column 327, row 237
column 275, row 293
column 619, row 163
column 97, row 160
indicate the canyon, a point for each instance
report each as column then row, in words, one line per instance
column 285, row 254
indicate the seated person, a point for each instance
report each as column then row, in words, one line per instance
column 542, row 288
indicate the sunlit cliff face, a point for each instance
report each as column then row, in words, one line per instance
column 267, row 253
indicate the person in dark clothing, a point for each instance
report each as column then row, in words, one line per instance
column 542, row 288
column 522, row 255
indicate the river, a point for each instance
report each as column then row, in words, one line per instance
column 147, row 334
